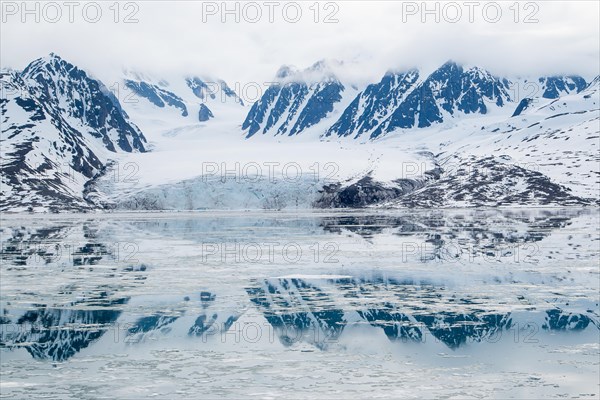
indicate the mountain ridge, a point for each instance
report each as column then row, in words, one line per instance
column 64, row 131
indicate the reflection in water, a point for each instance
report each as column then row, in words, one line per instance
column 58, row 334
column 295, row 308
column 298, row 310
column 72, row 288
column 488, row 233
column 561, row 321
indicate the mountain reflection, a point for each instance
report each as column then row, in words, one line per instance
column 83, row 314
column 67, row 284
column 59, row 333
column 301, row 311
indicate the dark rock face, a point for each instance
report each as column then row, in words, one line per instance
column 318, row 105
column 475, row 182
column 209, row 89
column 523, row 105
column 290, row 106
column 399, row 100
column 555, row 86
column 363, row 193
column 374, row 105
column 204, row 114
column 259, row 112
column 157, row 96
column 63, row 155
column 281, row 105
column 200, row 88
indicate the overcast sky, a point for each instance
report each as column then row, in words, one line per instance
column 370, row 36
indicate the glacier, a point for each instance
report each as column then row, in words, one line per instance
column 457, row 137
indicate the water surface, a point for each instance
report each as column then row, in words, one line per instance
column 409, row 304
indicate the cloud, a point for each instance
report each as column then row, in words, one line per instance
column 369, row 36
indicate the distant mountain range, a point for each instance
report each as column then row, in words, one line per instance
column 62, row 129
column 401, row 100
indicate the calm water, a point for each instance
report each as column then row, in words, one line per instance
column 454, row 304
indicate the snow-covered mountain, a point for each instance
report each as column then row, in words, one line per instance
column 86, row 103
column 547, row 153
column 163, row 105
column 458, row 137
column 59, row 129
column 375, row 104
column 449, row 92
column 296, row 101
column 402, row 101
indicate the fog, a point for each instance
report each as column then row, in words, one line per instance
column 193, row 37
